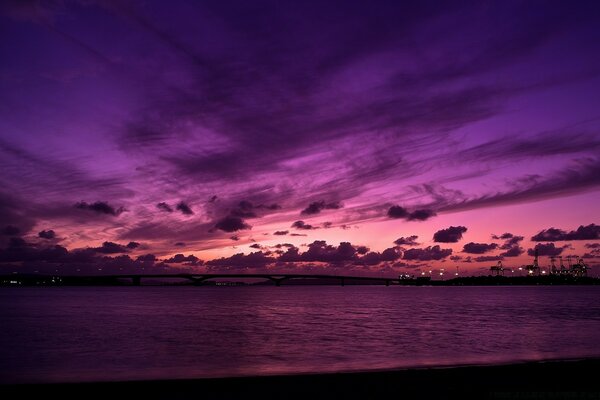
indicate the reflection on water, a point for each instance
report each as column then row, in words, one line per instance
column 119, row 333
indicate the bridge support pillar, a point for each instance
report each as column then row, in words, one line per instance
column 387, row 283
column 136, row 280
column 342, row 281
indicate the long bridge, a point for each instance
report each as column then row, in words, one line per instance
column 196, row 279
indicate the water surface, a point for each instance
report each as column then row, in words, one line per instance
column 64, row 334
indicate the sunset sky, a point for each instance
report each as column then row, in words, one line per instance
column 298, row 136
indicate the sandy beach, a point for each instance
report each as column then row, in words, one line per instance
column 556, row 379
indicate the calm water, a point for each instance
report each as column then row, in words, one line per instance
column 106, row 333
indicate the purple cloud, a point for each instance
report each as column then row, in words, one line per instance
column 588, row 232
column 232, row 224
column 407, row 241
column 546, row 249
column 317, row 206
column 49, row 234
column 164, row 207
column 302, row 225
column 449, row 235
column 184, row 208
column 427, row 254
column 100, row 207
column 479, row 248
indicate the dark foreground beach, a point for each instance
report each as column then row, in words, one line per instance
column 566, row 379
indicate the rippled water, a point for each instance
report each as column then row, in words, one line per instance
column 120, row 333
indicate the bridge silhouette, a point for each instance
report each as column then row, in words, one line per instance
column 201, row 278
column 277, row 279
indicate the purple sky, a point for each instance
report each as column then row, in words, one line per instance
column 297, row 135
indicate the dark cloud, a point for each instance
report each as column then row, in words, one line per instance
column 49, row 234
column 281, row 233
column 397, row 212
column 407, row 241
column 503, row 236
column 252, row 260
column 132, row 245
column 592, row 245
column 513, row 251
column 374, row 258
column 232, row 224
column 362, row 249
column 479, row 248
column 181, row 259
column 179, row 244
column 298, row 234
column 511, row 242
column 455, row 258
column 235, row 238
column 255, row 246
column 39, row 258
column 546, row 249
column 317, row 206
column 111, row 248
column 164, row 207
column 421, row 215
column 449, row 235
column 10, row 230
column 184, row 208
column 302, row 225
column 588, row 232
column 100, row 207
column 427, row 254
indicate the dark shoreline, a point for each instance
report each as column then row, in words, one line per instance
column 554, row 379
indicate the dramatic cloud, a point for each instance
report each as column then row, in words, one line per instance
column 511, row 242
column 252, row 260
column 184, row 208
column 100, row 207
column 427, row 254
column 29, row 257
column 49, row 234
column 513, row 251
column 503, row 236
column 232, row 224
column 281, row 233
column 546, row 249
column 449, row 235
column 317, row 206
column 164, row 207
column 397, row 212
column 132, row 245
column 592, row 245
column 303, row 225
column 181, row 259
column 421, row 215
column 479, row 248
column 407, row 241
column 112, row 248
column 255, row 246
column 588, row 232
column 427, row 107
